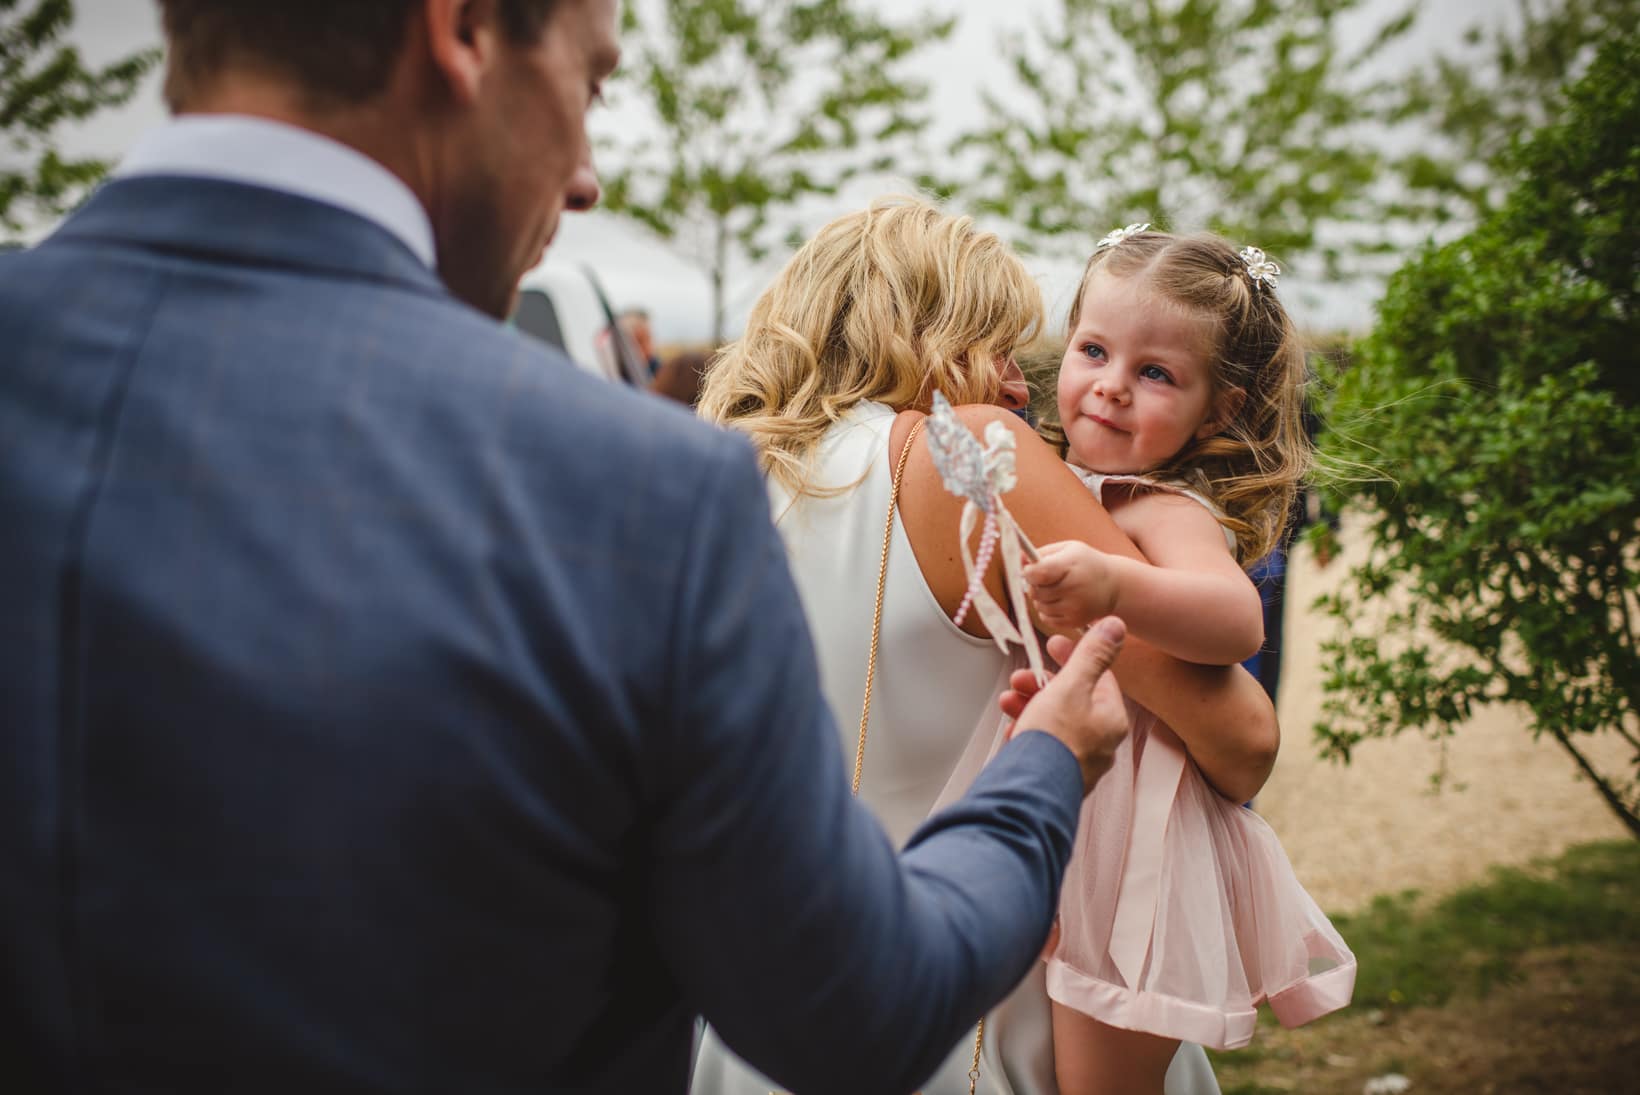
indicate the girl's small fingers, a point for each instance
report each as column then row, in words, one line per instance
column 1045, row 572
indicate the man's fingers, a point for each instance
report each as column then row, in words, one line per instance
column 1022, row 685
column 1095, row 652
column 1107, row 691
column 1024, row 681
column 1060, row 647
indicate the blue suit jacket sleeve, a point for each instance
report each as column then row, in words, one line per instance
column 824, row 959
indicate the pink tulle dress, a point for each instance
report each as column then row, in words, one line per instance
column 1180, row 912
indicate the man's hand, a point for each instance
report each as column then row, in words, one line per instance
column 1072, row 585
column 1082, row 705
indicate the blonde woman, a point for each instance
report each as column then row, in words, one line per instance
column 839, row 361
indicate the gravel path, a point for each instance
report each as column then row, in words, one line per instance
column 1375, row 826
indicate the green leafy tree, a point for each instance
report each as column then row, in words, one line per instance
column 753, row 106
column 1469, row 104
column 1243, row 116
column 43, row 84
column 1501, row 391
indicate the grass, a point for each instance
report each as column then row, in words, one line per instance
column 1454, row 971
column 1413, row 952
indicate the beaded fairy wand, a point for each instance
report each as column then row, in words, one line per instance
column 981, row 475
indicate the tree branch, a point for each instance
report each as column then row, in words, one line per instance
column 1625, row 813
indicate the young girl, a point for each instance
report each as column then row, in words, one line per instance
column 1181, row 398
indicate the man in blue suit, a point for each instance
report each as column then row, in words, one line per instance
column 388, row 706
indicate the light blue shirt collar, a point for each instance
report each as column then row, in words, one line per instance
column 261, row 152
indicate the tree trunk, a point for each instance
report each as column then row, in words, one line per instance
column 1607, row 792
column 720, row 260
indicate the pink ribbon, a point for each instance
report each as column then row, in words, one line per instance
column 1157, row 785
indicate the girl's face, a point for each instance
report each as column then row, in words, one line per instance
column 1136, row 385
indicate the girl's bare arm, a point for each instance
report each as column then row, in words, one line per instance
column 1222, row 715
column 1190, row 599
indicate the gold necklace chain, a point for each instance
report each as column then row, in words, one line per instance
column 871, row 671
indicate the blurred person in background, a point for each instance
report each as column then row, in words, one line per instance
column 680, row 376
column 635, row 322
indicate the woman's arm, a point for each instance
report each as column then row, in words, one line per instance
column 1222, row 715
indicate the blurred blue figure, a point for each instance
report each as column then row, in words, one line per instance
column 1269, row 574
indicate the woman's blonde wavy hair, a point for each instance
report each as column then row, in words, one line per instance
column 1252, row 467
column 888, row 304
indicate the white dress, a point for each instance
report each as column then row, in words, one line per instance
column 933, row 683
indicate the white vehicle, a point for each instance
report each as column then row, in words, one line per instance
column 565, row 307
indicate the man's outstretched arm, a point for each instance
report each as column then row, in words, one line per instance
column 819, row 955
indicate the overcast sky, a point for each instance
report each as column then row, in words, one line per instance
column 635, row 269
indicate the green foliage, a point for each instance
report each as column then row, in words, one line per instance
column 1412, row 953
column 42, row 85
column 1501, row 391
column 1240, row 117
column 759, row 103
column 1479, row 99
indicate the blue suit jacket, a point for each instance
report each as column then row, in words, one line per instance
column 388, row 706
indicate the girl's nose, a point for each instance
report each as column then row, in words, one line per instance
column 1110, row 386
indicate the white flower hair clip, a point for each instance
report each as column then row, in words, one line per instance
column 1263, row 271
column 1118, row 235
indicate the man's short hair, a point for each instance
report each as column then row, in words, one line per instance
column 340, row 51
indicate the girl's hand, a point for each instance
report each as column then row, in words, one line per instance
column 1072, row 584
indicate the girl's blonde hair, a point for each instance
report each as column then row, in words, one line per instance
column 1253, row 466
column 887, row 304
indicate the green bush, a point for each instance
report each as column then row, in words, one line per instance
column 1500, row 392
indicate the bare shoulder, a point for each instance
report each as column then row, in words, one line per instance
column 1034, row 459
column 978, row 416
column 1148, row 503
column 1040, row 467
column 1048, row 500
column 1167, row 525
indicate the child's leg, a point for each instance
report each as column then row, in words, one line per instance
column 1091, row 1058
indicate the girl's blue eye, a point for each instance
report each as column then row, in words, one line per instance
column 1154, row 372
column 1094, row 351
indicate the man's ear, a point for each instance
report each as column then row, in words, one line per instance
column 1226, row 405
column 463, row 39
